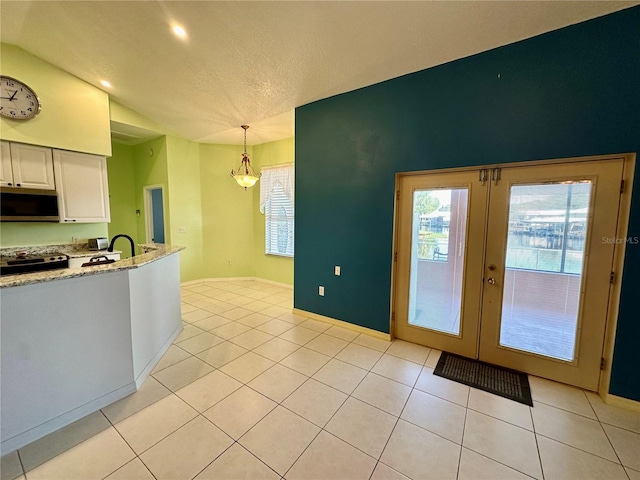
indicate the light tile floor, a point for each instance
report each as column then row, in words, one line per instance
column 250, row 390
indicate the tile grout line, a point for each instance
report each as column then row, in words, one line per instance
column 582, row 450
column 21, row 464
column 573, row 446
column 464, row 429
column 130, row 447
column 535, row 437
column 606, row 434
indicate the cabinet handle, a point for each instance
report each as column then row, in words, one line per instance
column 18, row 184
column 66, row 220
column 9, row 184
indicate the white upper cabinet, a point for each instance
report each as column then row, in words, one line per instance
column 26, row 166
column 6, row 175
column 83, row 191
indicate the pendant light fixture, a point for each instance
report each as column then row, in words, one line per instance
column 245, row 175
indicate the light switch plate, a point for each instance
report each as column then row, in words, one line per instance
column 337, row 270
column 321, row 291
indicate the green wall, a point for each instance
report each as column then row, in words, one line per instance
column 175, row 165
column 185, row 205
column 227, row 214
column 123, row 115
column 23, row 234
column 269, row 267
column 122, row 199
column 74, row 116
column 569, row 93
column 150, row 168
column 218, row 222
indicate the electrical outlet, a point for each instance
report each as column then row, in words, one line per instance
column 337, row 270
column 321, row 291
column 182, row 229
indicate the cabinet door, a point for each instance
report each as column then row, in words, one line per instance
column 83, row 191
column 32, row 166
column 6, row 175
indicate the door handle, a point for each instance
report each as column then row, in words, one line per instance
column 491, row 281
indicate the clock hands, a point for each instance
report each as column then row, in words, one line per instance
column 12, row 97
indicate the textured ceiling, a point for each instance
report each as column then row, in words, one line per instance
column 254, row 62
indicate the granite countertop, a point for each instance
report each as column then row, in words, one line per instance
column 152, row 253
column 74, row 250
column 89, row 253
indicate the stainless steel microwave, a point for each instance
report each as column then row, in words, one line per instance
column 28, row 205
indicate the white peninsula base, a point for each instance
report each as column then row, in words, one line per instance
column 73, row 345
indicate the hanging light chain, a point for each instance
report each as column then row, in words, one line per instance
column 250, row 176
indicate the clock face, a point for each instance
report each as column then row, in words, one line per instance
column 17, row 101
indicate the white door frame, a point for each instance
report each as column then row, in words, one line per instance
column 148, row 211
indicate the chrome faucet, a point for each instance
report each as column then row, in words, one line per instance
column 113, row 240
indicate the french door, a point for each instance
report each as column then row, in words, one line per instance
column 510, row 265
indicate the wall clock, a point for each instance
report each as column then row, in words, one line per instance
column 17, row 100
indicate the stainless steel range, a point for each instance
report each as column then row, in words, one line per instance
column 33, row 263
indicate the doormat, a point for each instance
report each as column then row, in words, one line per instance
column 501, row 381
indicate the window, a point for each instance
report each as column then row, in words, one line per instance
column 276, row 202
column 547, row 226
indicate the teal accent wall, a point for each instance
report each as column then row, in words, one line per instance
column 568, row 93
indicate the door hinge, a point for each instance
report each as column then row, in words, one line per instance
column 393, row 316
column 482, row 176
column 395, row 257
column 602, row 363
column 398, row 195
column 612, row 277
column 621, row 186
column 496, row 174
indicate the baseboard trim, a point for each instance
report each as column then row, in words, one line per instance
column 621, row 402
column 156, row 358
column 50, row 426
column 231, row 279
column 343, row 324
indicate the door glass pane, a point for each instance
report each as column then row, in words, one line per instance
column 543, row 274
column 437, row 258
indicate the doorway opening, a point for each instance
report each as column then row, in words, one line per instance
column 154, row 213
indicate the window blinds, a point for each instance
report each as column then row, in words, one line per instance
column 276, row 202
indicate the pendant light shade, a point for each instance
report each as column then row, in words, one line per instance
column 245, row 175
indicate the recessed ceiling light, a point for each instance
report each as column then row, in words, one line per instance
column 179, row 31
column 105, row 83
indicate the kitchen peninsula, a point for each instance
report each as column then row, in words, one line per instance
column 75, row 340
